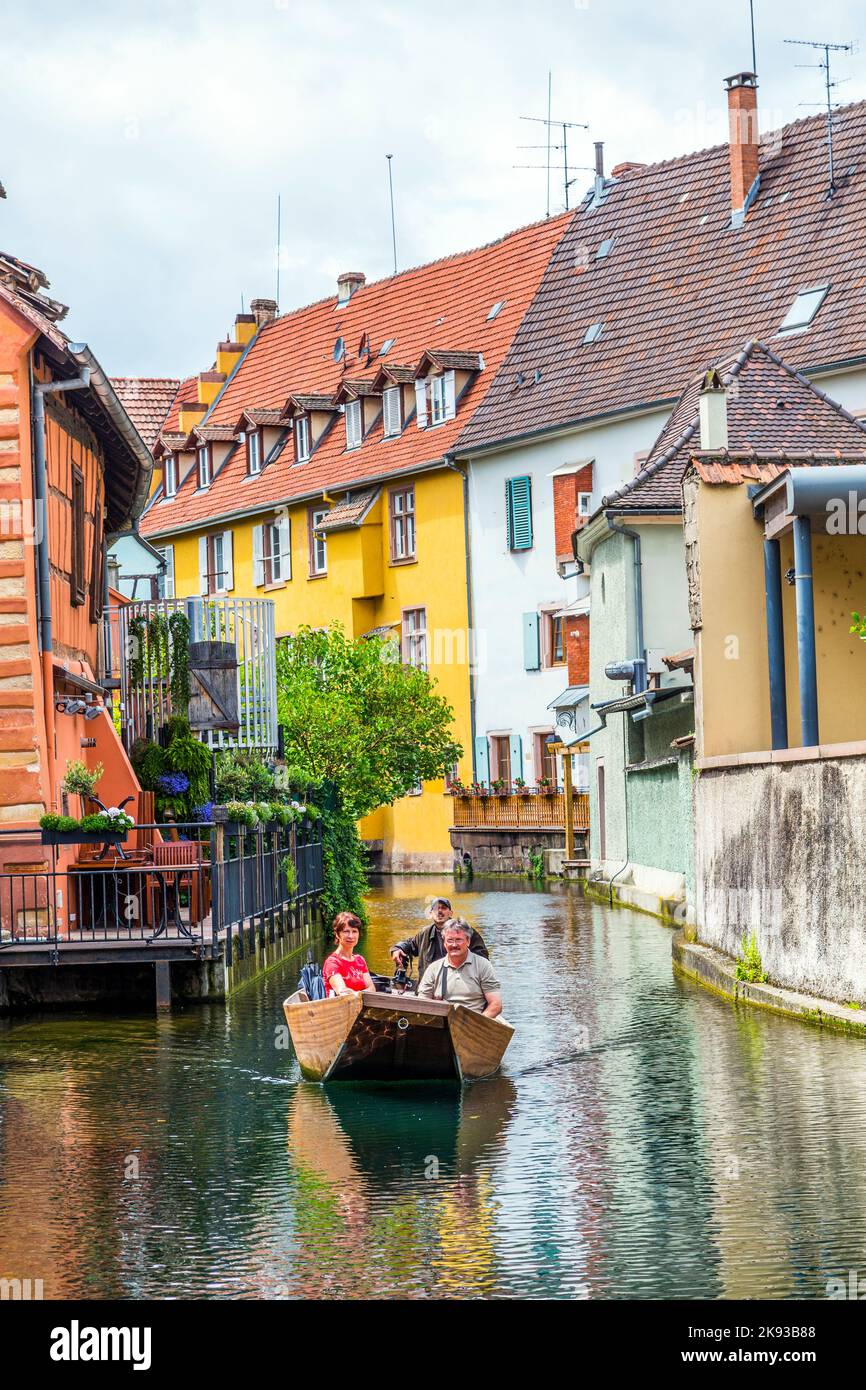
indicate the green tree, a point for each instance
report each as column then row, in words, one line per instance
column 356, row 717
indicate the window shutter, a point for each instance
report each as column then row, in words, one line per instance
column 284, row 541
column 515, row 755
column 353, row 424
column 228, row 565
column 202, row 564
column 391, row 406
column 518, row 506
column 421, row 403
column 482, row 759
column 450, row 396
column 531, row 655
column 258, row 557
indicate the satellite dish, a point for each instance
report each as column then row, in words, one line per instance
column 339, row 349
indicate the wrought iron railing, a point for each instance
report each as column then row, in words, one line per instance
column 531, row 809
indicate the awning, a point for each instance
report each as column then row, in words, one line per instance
column 644, row 699
column 579, row 608
column 572, row 695
column 381, row 631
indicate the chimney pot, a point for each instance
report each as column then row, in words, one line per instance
column 742, row 91
column 348, row 283
column 713, row 412
column 263, row 311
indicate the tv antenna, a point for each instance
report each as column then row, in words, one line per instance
column 279, row 210
column 551, row 125
column 389, row 157
column 824, row 66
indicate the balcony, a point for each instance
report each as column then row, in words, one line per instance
column 532, row 809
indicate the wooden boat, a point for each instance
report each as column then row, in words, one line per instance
column 372, row 1036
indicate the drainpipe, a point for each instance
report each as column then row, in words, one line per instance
column 43, row 570
column 806, row 631
column 470, row 630
column 775, row 643
column 634, row 536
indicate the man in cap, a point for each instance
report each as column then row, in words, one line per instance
column 462, row 978
column 428, row 945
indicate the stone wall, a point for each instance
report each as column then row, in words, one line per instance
column 492, row 851
column 779, row 851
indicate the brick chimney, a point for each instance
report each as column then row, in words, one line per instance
column 348, row 283
column 713, row 412
column 263, row 311
column 743, row 140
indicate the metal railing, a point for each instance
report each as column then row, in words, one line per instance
column 146, row 640
column 532, row 809
column 266, row 883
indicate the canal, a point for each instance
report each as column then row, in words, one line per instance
column 644, row 1140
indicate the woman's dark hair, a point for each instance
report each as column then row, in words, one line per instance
column 345, row 919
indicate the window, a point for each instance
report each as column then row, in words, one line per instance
column 804, row 309
column 552, row 640
column 77, row 580
column 318, row 546
column 402, row 515
column 500, row 757
column 518, row 513
column 415, row 637
column 170, row 477
column 584, row 503
column 302, row 438
column 272, row 552
column 593, row 333
column 354, row 425
column 604, row 249
column 204, row 476
column 97, row 567
column 217, row 570
column 545, row 761
column 392, row 411
column 254, row 452
column 496, row 310
column 387, row 346
column 166, row 579
column 435, row 399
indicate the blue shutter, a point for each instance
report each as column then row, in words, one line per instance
column 531, row 650
column 518, row 500
column 515, row 755
column 482, row 760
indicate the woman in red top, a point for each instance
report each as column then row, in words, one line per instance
column 343, row 970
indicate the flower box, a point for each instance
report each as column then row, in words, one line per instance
column 83, row 837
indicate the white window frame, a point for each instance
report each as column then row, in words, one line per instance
column 318, row 545
column 438, row 403
column 414, row 626
column 798, row 323
column 392, row 411
column 170, row 476
column 402, row 523
column 167, row 578
column 204, row 469
column 584, row 503
column 354, row 424
column 254, row 452
column 302, row 440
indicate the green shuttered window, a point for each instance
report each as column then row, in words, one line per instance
column 518, row 508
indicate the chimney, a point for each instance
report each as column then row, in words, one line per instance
column 629, row 166
column 713, row 412
column 348, row 283
column 263, row 311
column 599, row 169
column 743, row 141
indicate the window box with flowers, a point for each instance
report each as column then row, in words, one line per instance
column 105, row 827
column 546, row 787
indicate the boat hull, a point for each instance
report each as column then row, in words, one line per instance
column 368, row 1036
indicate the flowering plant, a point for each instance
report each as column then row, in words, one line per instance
column 203, row 812
column 173, row 783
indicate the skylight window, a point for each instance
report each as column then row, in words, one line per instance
column 497, row 309
column 604, row 249
column 593, row 333
column 387, row 346
column 804, row 309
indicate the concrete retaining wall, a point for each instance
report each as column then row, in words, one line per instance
column 779, row 850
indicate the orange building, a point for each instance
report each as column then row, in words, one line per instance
column 73, row 471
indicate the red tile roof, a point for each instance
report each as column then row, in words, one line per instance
column 772, row 410
column 146, row 400
column 679, row 287
column 186, row 391
column 441, row 306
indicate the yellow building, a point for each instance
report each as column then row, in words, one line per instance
column 314, row 467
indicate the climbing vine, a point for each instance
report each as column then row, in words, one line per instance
column 179, row 684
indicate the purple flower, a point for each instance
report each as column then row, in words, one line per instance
column 204, row 812
column 173, row 783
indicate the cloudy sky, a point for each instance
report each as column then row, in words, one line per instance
column 145, row 145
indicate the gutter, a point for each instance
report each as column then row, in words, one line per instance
column 104, row 391
column 579, row 422
column 634, row 536
column 470, row 653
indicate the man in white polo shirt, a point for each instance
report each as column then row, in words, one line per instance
column 462, row 977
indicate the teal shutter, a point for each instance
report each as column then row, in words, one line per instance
column 518, row 507
column 482, row 760
column 515, row 756
column 531, row 651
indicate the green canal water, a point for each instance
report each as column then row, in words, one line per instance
column 644, row 1140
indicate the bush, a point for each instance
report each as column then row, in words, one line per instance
column 345, row 877
column 749, row 966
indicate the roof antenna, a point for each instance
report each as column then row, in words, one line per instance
column 826, row 49
column 389, row 157
column 752, row 17
column 565, row 127
column 279, row 210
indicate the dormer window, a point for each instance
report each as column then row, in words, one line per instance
column 392, row 411
column 354, row 425
column 435, row 399
column 254, row 452
column 204, row 469
column 302, row 438
column 170, row 475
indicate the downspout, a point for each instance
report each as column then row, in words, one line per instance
column 806, row 631
column 634, row 536
column 470, row 630
column 775, row 643
column 43, row 568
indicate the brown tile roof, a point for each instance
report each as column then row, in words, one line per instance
column 350, row 512
column 680, row 288
column 729, row 468
column 440, row 307
column 771, row 409
column 254, row 415
column 147, row 401
column 459, row 361
column 214, row 433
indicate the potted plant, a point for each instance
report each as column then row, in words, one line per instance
column 520, row 787
column 81, row 780
column 546, row 787
column 110, row 826
column 499, row 786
